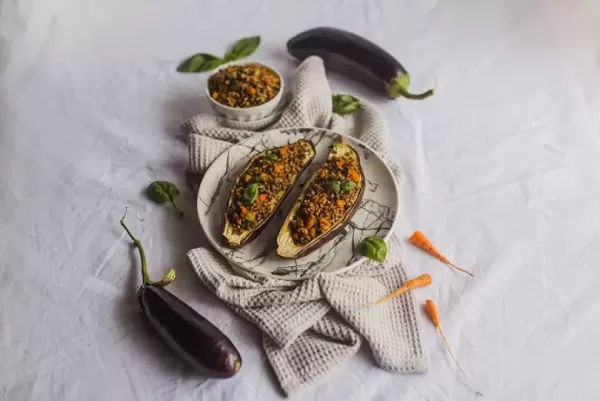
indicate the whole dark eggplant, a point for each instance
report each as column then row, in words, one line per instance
column 202, row 345
column 355, row 57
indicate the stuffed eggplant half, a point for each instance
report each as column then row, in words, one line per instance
column 328, row 201
column 261, row 187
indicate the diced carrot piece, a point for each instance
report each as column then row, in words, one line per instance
column 340, row 203
column 283, row 151
column 243, row 210
column 325, row 223
column 278, row 168
column 262, row 197
column 354, row 176
column 310, row 222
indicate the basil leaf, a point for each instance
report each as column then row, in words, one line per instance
column 243, row 48
column 333, row 187
column 199, row 63
column 272, row 156
column 345, row 104
column 251, row 194
column 162, row 192
column 374, row 248
column 347, row 186
column 229, row 56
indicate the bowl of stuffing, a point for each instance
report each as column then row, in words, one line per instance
column 244, row 91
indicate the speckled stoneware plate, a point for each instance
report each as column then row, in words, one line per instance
column 376, row 214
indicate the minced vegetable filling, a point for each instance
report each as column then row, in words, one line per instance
column 330, row 195
column 263, row 183
column 244, row 86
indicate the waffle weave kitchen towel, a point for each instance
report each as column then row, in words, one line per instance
column 313, row 325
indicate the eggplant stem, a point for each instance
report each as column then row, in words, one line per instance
column 399, row 87
column 138, row 244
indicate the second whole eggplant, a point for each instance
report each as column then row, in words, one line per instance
column 357, row 58
column 197, row 341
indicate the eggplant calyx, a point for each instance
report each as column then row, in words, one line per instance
column 167, row 278
column 399, row 87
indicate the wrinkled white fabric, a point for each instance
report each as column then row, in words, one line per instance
column 309, row 327
column 500, row 168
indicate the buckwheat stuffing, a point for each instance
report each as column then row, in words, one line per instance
column 242, row 86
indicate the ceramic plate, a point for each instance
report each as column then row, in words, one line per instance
column 376, row 214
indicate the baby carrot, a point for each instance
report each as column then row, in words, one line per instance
column 421, row 281
column 419, row 240
column 432, row 311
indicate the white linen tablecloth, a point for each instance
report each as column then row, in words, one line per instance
column 501, row 170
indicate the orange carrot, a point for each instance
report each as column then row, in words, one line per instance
column 421, row 281
column 262, row 197
column 432, row 311
column 419, row 240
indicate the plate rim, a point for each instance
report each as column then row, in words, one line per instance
column 333, row 273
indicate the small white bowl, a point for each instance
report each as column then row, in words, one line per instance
column 246, row 113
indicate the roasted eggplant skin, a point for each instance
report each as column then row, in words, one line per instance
column 203, row 346
column 255, row 232
column 355, row 57
column 301, row 251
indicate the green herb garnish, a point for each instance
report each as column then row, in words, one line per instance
column 345, row 104
column 202, row 62
column 374, row 248
column 243, row 48
column 251, row 194
column 272, row 156
column 333, row 187
column 347, row 186
column 162, row 192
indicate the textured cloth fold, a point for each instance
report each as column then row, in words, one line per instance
column 311, row 326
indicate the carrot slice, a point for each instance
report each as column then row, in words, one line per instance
column 419, row 240
column 421, row 281
column 432, row 311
